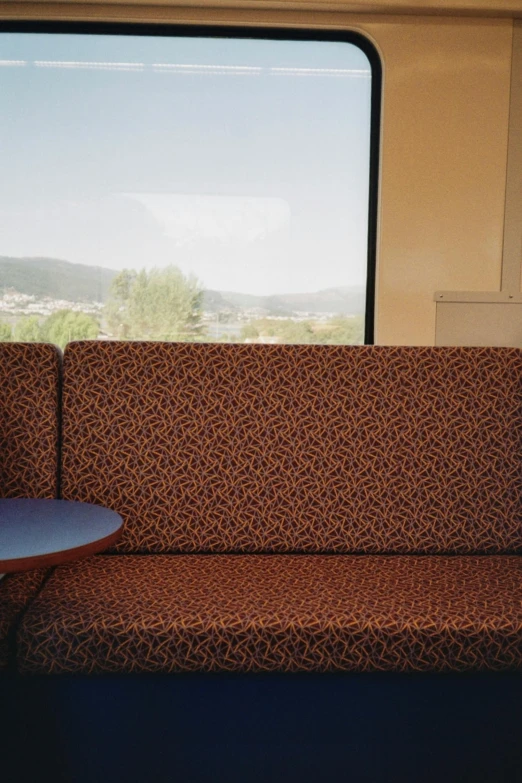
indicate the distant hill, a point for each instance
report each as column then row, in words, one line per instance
column 59, row 279
column 343, row 301
column 55, row 278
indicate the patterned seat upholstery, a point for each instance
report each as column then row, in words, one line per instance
column 297, row 448
column 164, row 613
column 28, row 420
column 16, row 593
column 290, row 508
column 29, row 375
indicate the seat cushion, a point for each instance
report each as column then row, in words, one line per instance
column 16, row 592
column 167, row 613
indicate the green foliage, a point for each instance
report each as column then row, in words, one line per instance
column 6, row 333
column 335, row 331
column 343, row 331
column 249, row 332
column 296, row 332
column 122, row 284
column 66, row 325
column 227, row 338
column 28, row 330
column 161, row 304
column 116, row 309
column 60, row 328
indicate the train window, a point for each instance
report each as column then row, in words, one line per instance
column 202, row 185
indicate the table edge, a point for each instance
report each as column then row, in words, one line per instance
column 64, row 556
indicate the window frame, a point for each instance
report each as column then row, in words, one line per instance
column 169, row 30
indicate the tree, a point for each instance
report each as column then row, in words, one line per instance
column 288, row 331
column 343, row 331
column 117, row 305
column 139, row 307
column 296, row 332
column 65, row 325
column 249, row 332
column 162, row 304
column 28, row 330
column 6, row 333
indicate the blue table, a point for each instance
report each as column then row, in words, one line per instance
column 35, row 533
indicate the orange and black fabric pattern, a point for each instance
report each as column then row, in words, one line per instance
column 286, row 448
column 164, row 613
column 28, row 420
column 16, row 592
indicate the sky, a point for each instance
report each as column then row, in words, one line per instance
column 244, row 162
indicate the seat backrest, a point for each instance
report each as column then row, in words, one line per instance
column 274, row 448
column 29, row 405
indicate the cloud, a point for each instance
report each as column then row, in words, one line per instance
column 189, row 218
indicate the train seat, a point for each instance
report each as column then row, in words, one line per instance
column 28, row 456
column 289, row 507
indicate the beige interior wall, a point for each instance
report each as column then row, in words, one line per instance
column 485, row 8
column 443, row 175
column 444, row 146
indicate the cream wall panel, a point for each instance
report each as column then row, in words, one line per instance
column 444, row 146
column 444, row 153
column 490, row 8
